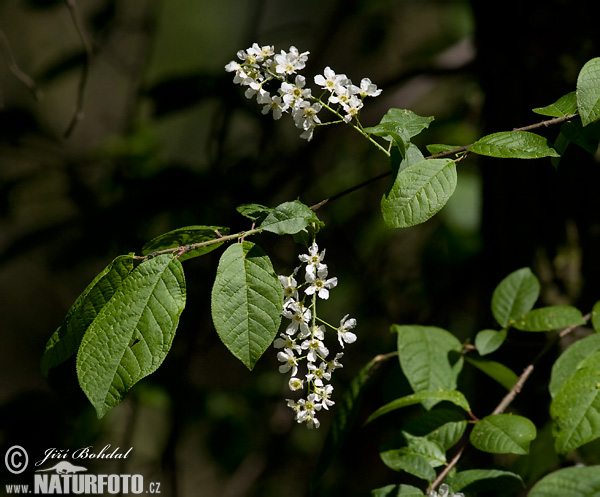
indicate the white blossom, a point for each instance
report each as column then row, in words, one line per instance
column 344, row 333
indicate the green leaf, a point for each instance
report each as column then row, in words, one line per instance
column 549, row 318
column 255, row 212
column 438, row 148
column 499, row 372
column 346, row 409
column 413, row 464
column 514, row 145
column 397, row 491
column 585, row 137
column 186, row 236
column 400, row 125
column 503, row 434
column 480, row 480
column 572, row 482
column 576, row 407
column 564, row 106
column 289, row 218
column 424, row 355
column 444, row 425
column 488, row 341
column 596, row 316
column 419, row 192
column 569, row 361
column 65, row 341
column 514, row 296
column 453, row 396
column 588, row 91
column 132, row 334
column 246, row 302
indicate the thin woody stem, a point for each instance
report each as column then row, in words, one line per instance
column 446, row 153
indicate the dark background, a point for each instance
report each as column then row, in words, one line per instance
column 167, row 140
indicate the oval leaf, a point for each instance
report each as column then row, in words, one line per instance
column 413, row 464
column 133, row 332
column 445, row 426
column 514, row 296
column 588, row 91
column 573, row 481
column 514, row 145
column 569, row 361
column 246, row 302
column 479, row 480
column 289, row 218
column 564, row 106
column 65, row 341
column 549, row 318
column 576, row 407
column 499, row 372
column 488, row 341
column 419, row 192
column 503, row 434
column 397, row 491
column 188, row 235
column 453, row 396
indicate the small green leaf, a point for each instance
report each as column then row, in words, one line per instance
column 444, row 425
column 596, row 316
column 514, row 296
column 418, row 457
column 499, row 372
column 397, row 491
column 438, row 148
column 132, row 334
column 65, row 341
column 514, row 145
column 246, row 302
column 569, row 361
column 186, row 236
column 576, row 407
column 549, row 318
column 289, row 218
column 480, row 480
column 572, row 482
column 488, row 341
column 588, row 91
column 419, row 192
column 255, row 212
column 453, row 396
column 503, row 434
column 585, row 137
column 564, row 106
column 425, row 354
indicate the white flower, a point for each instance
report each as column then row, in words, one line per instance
column 335, row 363
column 296, row 384
column 290, row 287
column 342, row 94
column 314, row 259
column 324, row 394
column 287, row 342
column 316, row 374
column 329, row 80
column 305, row 115
column 275, row 105
column 344, row 333
column 352, row 107
column 290, row 62
column 293, row 94
column 319, row 284
column 309, row 406
column 315, row 346
column 289, row 362
column 444, row 491
column 368, row 89
column 308, row 134
column 299, row 315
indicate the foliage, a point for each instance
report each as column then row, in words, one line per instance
column 123, row 324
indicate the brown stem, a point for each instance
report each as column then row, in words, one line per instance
column 14, row 68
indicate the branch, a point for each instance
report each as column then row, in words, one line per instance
column 78, row 112
column 510, row 396
column 454, row 151
column 14, row 68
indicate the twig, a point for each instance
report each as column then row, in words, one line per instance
column 78, row 112
column 510, row 396
column 15, row 69
column 446, row 153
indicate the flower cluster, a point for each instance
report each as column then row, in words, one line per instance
column 444, row 491
column 304, row 337
column 260, row 64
